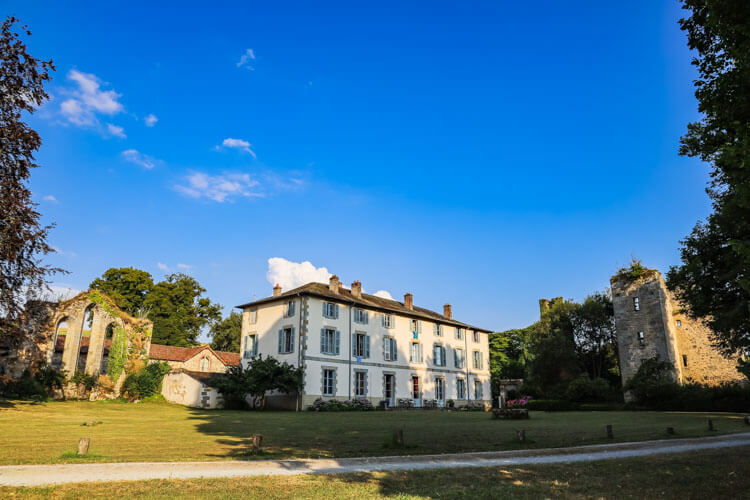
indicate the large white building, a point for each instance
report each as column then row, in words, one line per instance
column 355, row 345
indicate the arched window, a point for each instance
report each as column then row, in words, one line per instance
column 58, row 344
column 109, row 334
column 84, row 339
column 205, row 364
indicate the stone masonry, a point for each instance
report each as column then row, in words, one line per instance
column 650, row 321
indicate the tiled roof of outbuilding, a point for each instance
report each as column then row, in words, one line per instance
column 172, row 353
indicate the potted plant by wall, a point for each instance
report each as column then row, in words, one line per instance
column 450, row 403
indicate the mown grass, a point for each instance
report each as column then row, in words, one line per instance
column 700, row 475
column 48, row 432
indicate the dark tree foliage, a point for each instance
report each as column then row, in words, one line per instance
column 225, row 334
column 594, row 333
column 23, row 241
column 258, row 378
column 508, row 356
column 714, row 277
column 127, row 286
column 552, row 344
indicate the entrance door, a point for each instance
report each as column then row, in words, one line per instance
column 416, row 393
column 440, row 391
column 388, row 382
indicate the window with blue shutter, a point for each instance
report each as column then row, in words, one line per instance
column 360, row 345
column 281, row 340
column 329, row 341
column 289, row 309
column 338, row 342
column 286, row 340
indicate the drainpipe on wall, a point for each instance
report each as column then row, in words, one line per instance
column 466, row 360
column 299, row 353
column 350, row 353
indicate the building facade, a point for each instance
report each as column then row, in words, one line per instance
column 650, row 322
column 355, row 345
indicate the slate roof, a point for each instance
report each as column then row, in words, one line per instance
column 364, row 300
column 172, row 353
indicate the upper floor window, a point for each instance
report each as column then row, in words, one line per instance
column 289, row 309
column 459, row 358
column 253, row 316
column 388, row 320
column 477, row 360
column 415, row 354
column 360, row 345
column 679, row 323
column 636, row 304
column 330, row 310
column 329, row 341
column 641, row 338
column 475, row 336
column 459, row 333
column 415, row 327
column 437, row 329
column 251, row 346
column 438, row 355
column 286, row 340
column 361, row 316
column 390, row 352
column 205, row 364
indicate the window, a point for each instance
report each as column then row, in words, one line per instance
column 251, row 346
column 437, row 329
column 438, row 355
column 286, row 340
column 475, row 336
column 477, row 360
column 415, row 354
column 360, row 383
column 459, row 333
column 416, row 392
column 329, row 341
column 289, row 309
column 388, row 321
column 440, row 389
column 361, row 345
column 415, row 327
column 360, row 316
column 205, row 364
column 641, row 338
column 679, row 323
column 637, row 304
column 390, row 352
column 684, row 360
column 253, row 316
column 459, row 358
column 329, row 382
column 330, row 310
column 477, row 389
column 460, row 389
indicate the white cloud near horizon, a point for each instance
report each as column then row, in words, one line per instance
column 248, row 56
column 184, row 267
column 162, row 267
column 383, row 294
column 88, row 100
column 290, row 274
column 238, row 144
column 116, row 131
column 150, row 120
column 135, row 156
column 219, row 188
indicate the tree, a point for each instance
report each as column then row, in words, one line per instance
column 179, row 311
column 594, row 333
column 225, row 334
column 127, row 287
column 508, row 356
column 23, row 240
column 713, row 280
column 261, row 376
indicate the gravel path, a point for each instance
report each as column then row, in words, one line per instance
column 39, row 475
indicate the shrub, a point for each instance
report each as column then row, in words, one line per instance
column 585, row 389
column 146, row 382
column 84, row 379
column 50, row 378
column 518, row 403
column 472, row 406
column 551, row 405
column 26, row 387
column 335, row 405
column 653, row 382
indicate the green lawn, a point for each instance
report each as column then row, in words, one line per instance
column 700, row 475
column 49, row 432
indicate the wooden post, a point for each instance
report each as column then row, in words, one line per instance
column 83, row 446
column 521, row 435
column 257, row 442
column 398, row 437
column 710, row 424
column 610, row 434
column 670, row 430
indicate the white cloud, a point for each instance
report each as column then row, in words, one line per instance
column 248, row 56
column 150, row 120
column 88, row 100
column 50, row 198
column 185, row 267
column 383, row 294
column 60, row 251
column 219, row 188
column 290, row 274
column 162, row 267
column 135, row 156
column 116, row 131
column 237, row 144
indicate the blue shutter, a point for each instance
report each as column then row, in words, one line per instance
column 290, row 312
column 367, row 346
column 336, row 311
column 367, row 317
column 455, row 358
column 281, row 340
column 338, row 342
column 291, row 341
column 354, row 344
column 323, row 340
column 324, row 309
column 394, row 350
column 255, row 345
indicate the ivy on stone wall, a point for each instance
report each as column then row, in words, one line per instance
column 118, row 354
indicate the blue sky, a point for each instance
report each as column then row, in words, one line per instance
column 482, row 154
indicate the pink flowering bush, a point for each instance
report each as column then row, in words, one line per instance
column 518, row 403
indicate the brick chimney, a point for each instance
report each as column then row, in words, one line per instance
column 276, row 290
column 447, row 312
column 357, row 289
column 333, row 284
column 409, row 300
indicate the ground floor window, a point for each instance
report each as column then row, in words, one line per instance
column 477, row 390
column 440, row 389
column 389, row 387
column 360, row 384
column 329, row 382
column 415, row 389
column 460, row 389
